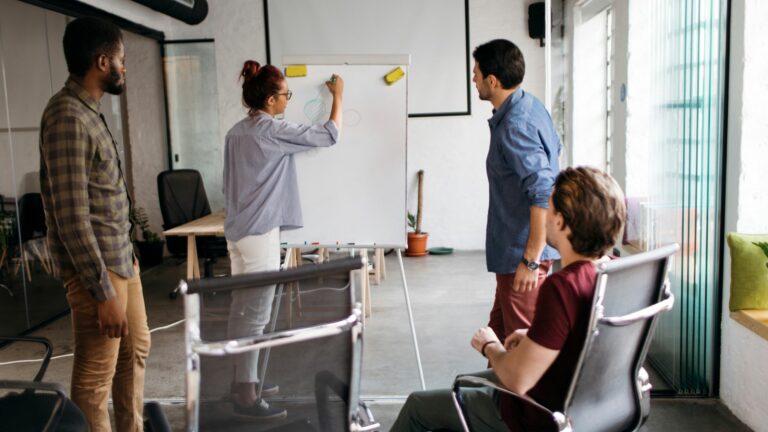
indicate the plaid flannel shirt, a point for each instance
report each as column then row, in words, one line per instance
column 84, row 192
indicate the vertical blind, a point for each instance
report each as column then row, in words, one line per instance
column 686, row 146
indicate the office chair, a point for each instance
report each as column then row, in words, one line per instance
column 183, row 199
column 609, row 391
column 40, row 406
column 45, row 406
column 317, row 363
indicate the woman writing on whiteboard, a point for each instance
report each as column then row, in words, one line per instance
column 262, row 198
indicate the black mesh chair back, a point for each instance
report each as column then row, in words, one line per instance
column 314, row 354
column 37, row 405
column 32, row 216
column 607, row 393
column 182, row 199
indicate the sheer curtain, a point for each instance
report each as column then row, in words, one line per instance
column 675, row 173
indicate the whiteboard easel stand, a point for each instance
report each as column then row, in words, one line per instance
column 410, row 318
column 364, row 249
column 407, row 305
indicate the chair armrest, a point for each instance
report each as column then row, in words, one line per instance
column 475, row 381
column 34, row 385
column 666, row 304
column 46, row 357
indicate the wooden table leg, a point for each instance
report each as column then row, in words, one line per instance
column 366, row 291
column 193, row 266
column 378, row 253
column 290, row 263
column 383, row 262
column 298, row 261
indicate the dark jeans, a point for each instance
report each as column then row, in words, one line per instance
column 434, row 410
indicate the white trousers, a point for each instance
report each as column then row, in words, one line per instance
column 251, row 308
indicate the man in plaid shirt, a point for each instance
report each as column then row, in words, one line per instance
column 87, row 213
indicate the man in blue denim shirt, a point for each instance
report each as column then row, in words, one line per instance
column 522, row 164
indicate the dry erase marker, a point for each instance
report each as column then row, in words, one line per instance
column 333, row 79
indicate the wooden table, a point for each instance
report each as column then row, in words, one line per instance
column 211, row 225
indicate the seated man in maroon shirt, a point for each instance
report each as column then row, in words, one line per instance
column 585, row 217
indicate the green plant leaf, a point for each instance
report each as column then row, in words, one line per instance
column 411, row 221
column 764, row 247
column 139, row 217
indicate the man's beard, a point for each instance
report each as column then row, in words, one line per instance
column 483, row 95
column 112, row 84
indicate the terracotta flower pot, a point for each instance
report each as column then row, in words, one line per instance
column 417, row 244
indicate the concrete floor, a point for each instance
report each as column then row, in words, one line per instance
column 451, row 296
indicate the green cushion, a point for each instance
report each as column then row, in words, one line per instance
column 749, row 272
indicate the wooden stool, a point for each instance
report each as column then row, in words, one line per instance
column 366, row 288
column 379, row 266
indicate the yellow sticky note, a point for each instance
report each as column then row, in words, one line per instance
column 393, row 76
column 296, row 71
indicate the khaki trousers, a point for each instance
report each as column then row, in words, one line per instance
column 101, row 363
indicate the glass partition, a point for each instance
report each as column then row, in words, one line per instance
column 32, row 69
column 193, row 113
column 674, row 186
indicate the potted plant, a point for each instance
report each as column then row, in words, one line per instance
column 417, row 240
column 151, row 246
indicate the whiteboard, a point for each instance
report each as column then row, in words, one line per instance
column 433, row 32
column 355, row 190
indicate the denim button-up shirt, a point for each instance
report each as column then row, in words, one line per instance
column 260, row 186
column 522, row 164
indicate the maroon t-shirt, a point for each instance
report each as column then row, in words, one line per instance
column 562, row 315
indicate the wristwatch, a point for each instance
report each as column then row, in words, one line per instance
column 532, row 265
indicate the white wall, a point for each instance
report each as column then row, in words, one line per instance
column 145, row 115
column 743, row 376
column 451, row 150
